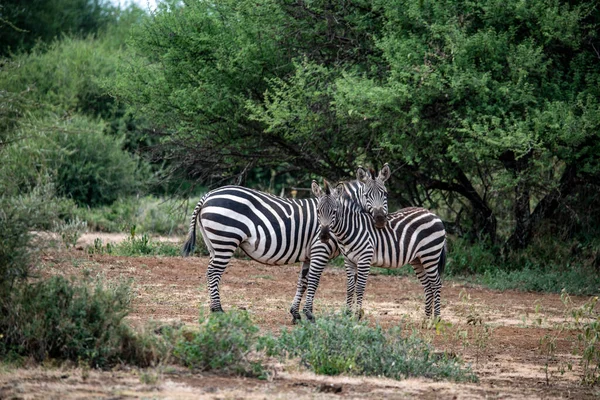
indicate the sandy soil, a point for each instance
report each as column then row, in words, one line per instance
column 503, row 333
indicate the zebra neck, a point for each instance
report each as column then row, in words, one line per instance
column 354, row 222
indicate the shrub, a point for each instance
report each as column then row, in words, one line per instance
column 20, row 214
column 57, row 319
column 88, row 165
column 465, row 258
column 338, row 344
column 223, row 343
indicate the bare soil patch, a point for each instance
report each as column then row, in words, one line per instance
column 508, row 360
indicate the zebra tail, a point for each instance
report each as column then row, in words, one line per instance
column 188, row 247
column 442, row 263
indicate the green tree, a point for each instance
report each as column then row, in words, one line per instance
column 488, row 110
column 25, row 22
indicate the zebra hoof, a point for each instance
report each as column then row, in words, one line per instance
column 295, row 317
column 217, row 310
column 309, row 316
column 360, row 314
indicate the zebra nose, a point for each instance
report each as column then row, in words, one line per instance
column 324, row 236
column 379, row 218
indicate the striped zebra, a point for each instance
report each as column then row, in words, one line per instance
column 272, row 230
column 411, row 236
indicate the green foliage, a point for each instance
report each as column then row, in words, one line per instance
column 118, row 217
column 88, row 165
column 338, row 344
column 194, row 82
column 466, row 258
column 70, row 231
column 547, row 265
column 64, row 76
column 575, row 279
column 137, row 246
column 25, row 22
column 491, row 110
column 20, row 214
column 58, row 319
column 223, row 342
column 147, row 214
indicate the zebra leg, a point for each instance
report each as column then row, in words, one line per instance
column 300, row 289
column 362, row 273
column 436, row 288
column 350, row 284
column 422, row 275
column 216, row 267
column 317, row 265
column 434, row 285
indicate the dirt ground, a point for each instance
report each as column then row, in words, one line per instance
column 498, row 333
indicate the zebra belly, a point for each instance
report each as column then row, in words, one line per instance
column 262, row 255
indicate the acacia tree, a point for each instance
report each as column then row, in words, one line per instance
column 488, row 110
column 492, row 107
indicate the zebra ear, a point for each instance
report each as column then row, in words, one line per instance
column 362, row 174
column 327, row 187
column 316, row 189
column 385, row 173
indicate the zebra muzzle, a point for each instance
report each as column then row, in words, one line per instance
column 379, row 219
column 324, row 236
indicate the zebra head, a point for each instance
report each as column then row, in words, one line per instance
column 375, row 193
column 327, row 205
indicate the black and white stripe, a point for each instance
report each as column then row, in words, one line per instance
column 269, row 229
column 411, row 236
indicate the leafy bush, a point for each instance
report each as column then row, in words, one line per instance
column 57, row 319
column 20, row 214
column 25, row 22
column 465, row 258
column 64, row 76
column 223, row 342
column 338, row 344
column 88, row 165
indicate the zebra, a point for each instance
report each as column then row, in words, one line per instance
column 272, row 230
column 412, row 235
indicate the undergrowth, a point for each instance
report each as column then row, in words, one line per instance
column 546, row 266
column 59, row 319
column 339, row 344
column 148, row 214
column 135, row 245
column 223, row 342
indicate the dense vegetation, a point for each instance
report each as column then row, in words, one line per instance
column 487, row 110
